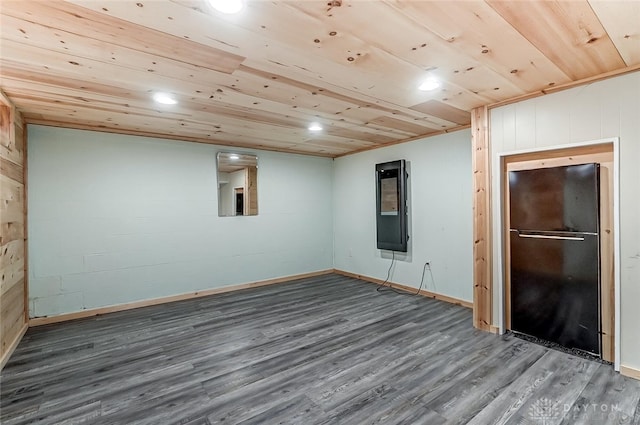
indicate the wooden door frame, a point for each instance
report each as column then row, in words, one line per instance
column 499, row 248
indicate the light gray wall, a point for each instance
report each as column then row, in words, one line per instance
column 609, row 108
column 440, row 214
column 115, row 219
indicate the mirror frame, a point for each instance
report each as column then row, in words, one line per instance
column 245, row 196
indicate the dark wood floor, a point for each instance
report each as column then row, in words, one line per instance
column 326, row 350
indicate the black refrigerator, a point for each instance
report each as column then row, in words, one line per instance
column 555, row 255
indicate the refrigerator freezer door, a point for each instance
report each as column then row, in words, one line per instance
column 555, row 289
column 555, row 199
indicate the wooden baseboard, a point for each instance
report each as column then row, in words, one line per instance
column 39, row 321
column 12, row 347
column 423, row 292
column 494, row 329
column 630, row 372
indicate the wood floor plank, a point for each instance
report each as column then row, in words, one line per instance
column 510, row 400
column 607, row 399
column 321, row 350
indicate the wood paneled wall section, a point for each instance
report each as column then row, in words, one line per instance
column 13, row 284
column 482, row 307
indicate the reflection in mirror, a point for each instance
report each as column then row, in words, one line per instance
column 237, row 184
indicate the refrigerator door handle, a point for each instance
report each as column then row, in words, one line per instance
column 562, row 238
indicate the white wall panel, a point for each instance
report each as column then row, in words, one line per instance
column 550, row 120
column 440, row 214
column 525, row 127
column 508, row 127
column 115, row 219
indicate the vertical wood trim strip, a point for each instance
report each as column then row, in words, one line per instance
column 506, row 242
column 14, row 344
column 26, row 227
column 482, row 287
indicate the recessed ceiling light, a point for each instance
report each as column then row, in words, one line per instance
column 430, row 84
column 315, row 127
column 227, row 6
column 164, row 98
column 234, row 156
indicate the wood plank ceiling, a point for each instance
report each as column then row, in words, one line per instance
column 259, row 78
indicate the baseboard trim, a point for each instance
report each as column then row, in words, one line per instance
column 494, row 329
column 423, row 292
column 630, row 372
column 12, row 347
column 40, row 321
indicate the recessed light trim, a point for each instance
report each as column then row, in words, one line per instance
column 314, row 126
column 430, row 84
column 164, row 98
column 227, row 6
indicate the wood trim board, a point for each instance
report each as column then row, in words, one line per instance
column 26, row 227
column 39, row 321
column 14, row 344
column 406, row 288
column 482, row 245
column 630, row 372
column 567, row 86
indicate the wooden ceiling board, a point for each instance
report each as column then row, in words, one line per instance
column 193, row 19
column 475, row 30
column 78, row 49
column 467, row 81
column 121, row 127
column 306, row 112
column 567, row 32
column 409, row 55
column 315, row 87
column 95, row 71
column 464, row 101
column 445, row 112
column 355, row 133
column 413, row 128
column 72, row 108
column 189, row 20
column 621, row 20
column 98, row 26
column 265, row 85
column 218, row 109
column 257, row 79
column 13, row 82
column 362, row 113
column 326, row 51
column 305, row 58
column 350, row 107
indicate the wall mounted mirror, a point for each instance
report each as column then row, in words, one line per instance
column 237, row 184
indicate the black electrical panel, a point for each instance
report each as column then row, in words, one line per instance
column 391, row 206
